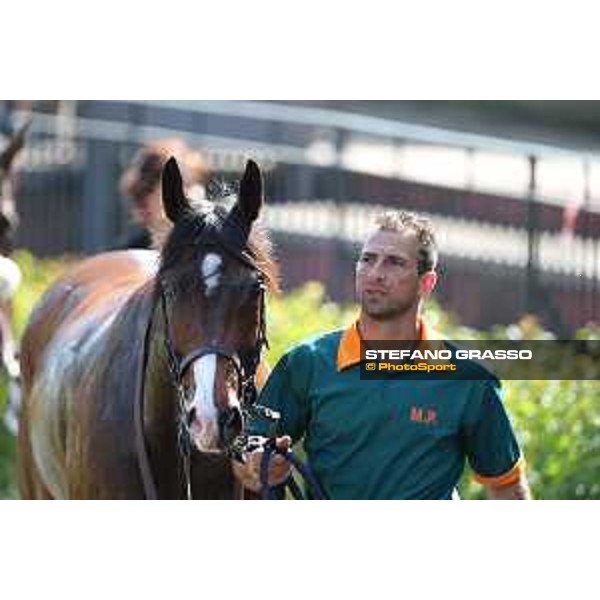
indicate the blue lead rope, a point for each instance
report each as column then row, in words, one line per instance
column 270, row 492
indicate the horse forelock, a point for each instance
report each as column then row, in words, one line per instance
column 185, row 237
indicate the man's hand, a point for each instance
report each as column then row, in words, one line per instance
column 248, row 474
column 519, row 490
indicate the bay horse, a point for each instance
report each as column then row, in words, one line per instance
column 136, row 365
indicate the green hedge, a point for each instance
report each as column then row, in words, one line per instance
column 37, row 275
column 558, row 422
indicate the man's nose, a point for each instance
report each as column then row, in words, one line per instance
column 377, row 272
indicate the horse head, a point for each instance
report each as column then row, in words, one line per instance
column 8, row 213
column 214, row 270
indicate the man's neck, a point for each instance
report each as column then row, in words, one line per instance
column 405, row 327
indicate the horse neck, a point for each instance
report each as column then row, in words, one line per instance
column 159, row 390
column 160, row 414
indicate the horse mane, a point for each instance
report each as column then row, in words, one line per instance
column 173, row 241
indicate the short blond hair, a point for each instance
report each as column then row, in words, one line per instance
column 403, row 220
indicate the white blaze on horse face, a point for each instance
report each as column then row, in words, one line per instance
column 204, row 428
column 210, row 271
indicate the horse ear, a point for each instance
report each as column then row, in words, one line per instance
column 174, row 201
column 15, row 144
column 250, row 198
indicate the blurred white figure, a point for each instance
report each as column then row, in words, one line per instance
column 10, row 276
column 10, row 279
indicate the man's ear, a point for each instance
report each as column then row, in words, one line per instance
column 427, row 282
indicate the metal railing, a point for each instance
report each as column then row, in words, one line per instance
column 69, row 200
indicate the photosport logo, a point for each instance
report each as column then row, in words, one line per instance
column 501, row 359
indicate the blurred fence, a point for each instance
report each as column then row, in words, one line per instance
column 327, row 175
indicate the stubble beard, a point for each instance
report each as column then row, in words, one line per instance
column 388, row 312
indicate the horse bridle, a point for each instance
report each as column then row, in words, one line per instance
column 245, row 361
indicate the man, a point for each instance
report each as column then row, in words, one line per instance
column 370, row 439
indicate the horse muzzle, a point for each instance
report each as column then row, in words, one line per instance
column 204, row 433
column 210, row 436
column 231, row 425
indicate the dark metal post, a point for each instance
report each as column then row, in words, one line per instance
column 99, row 198
column 470, row 166
column 531, row 274
column 339, row 277
column 593, row 274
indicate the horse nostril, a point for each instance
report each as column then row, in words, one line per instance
column 232, row 423
column 191, row 415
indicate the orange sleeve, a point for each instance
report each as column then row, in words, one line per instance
column 508, row 478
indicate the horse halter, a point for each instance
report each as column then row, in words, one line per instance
column 245, row 361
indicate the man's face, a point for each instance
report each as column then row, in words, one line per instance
column 387, row 282
column 147, row 210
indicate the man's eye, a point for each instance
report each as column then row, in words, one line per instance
column 398, row 262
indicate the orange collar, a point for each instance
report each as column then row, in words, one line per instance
column 348, row 353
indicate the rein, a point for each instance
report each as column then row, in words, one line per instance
column 269, row 492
